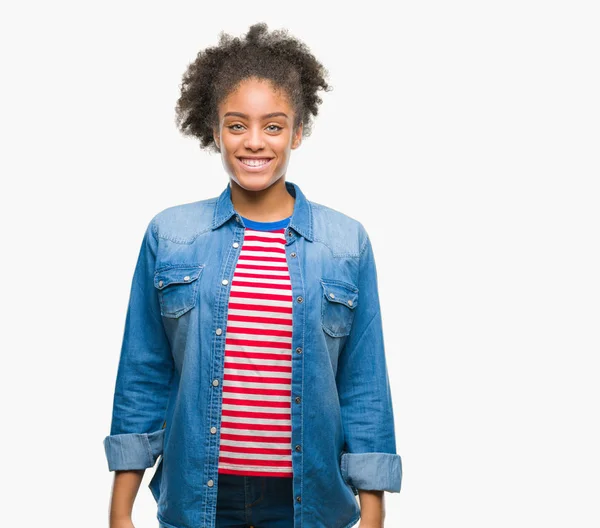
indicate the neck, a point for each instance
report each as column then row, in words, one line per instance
column 267, row 205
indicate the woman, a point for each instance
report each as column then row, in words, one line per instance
column 253, row 362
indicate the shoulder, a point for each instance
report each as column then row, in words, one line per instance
column 342, row 233
column 184, row 222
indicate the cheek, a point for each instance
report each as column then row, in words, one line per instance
column 281, row 145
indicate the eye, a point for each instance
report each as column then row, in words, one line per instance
column 235, row 125
column 277, row 127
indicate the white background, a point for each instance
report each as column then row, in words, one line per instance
column 464, row 135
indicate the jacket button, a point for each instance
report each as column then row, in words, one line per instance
column 299, row 350
column 299, row 299
column 210, row 483
column 298, row 499
column 237, row 218
column 224, row 282
column 236, row 245
column 215, row 382
column 332, row 295
column 213, row 430
column 293, row 254
column 218, row 331
column 298, row 448
column 298, row 400
column 186, row 278
column 160, row 284
column 289, row 232
column 350, row 302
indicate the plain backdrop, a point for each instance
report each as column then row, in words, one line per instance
column 464, row 135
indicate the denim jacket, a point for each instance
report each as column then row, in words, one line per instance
column 167, row 400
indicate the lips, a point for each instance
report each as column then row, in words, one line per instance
column 254, row 164
column 254, row 161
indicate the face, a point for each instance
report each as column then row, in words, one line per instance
column 255, row 134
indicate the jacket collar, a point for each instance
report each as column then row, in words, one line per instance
column 301, row 220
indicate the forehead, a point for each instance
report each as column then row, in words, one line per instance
column 256, row 96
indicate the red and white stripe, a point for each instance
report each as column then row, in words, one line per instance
column 256, row 427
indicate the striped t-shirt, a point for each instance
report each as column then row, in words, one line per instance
column 256, row 426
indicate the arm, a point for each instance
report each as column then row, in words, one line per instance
column 370, row 461
column 143, row 382
column 372, row 508
column 125, row 487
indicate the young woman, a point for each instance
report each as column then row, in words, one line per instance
column 253, row 360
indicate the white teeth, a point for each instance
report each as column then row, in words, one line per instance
column 254, row 162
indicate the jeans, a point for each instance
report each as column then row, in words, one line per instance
column 254, row 502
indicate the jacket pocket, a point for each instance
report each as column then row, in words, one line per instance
column 337, row 306
column 177, row 289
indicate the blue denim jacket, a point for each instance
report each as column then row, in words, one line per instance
column 167, row 398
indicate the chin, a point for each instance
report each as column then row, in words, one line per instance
column 255, row 182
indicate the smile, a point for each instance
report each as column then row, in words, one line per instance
column 255, row 165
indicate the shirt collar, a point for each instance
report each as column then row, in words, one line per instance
column 301, row 220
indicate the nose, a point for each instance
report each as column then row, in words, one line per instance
column 254, row 139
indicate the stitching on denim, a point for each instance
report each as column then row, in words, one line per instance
column 302, row 408
column 364, row 245
column 327, row 329
column 380, row 454
column 366, row 328
column 343, row 284
column 325, row 208
column 154, row 228
column 213, row 363
column 324, row 305
column 179, row 266
column 189, row 306
column 186, row 241
column 359, row 339
column 149, row 449
column 200, row 204
column 333, row 254
column 310, row 219
column 193, row 282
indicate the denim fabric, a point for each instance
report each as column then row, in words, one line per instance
column 167, row 400
column 245, row 501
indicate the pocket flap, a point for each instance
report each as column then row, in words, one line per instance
column 340, row 292
column 176, row 275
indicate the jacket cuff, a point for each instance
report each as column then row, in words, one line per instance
column 133, row 450
column 372, row 471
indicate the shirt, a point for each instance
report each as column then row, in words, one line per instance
column 256, row 421
column 169, row 386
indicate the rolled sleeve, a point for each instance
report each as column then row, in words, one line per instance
column 145, row 373
column 372, row 471
column 133, row 450
column 369, row 460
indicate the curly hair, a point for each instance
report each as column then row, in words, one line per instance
column 217, row 71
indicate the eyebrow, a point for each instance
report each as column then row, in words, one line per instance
column 266, row 116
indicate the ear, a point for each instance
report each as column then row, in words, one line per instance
column 297, row 141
